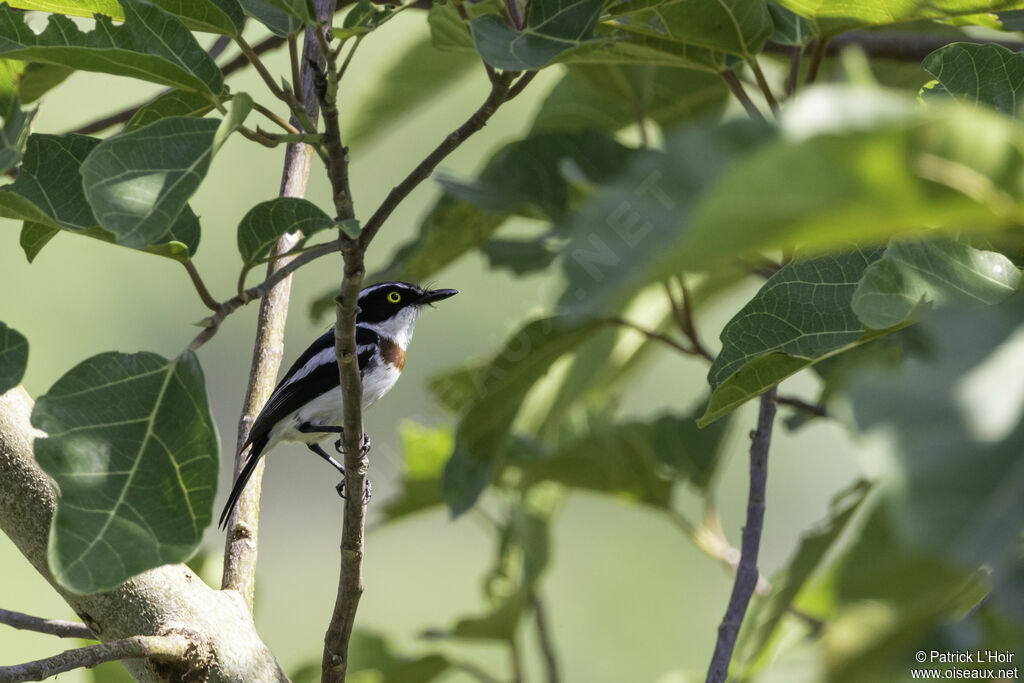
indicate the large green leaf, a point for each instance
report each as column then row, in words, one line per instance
column 279, row 22
column 482, row 434
column 151, row 45
column 422, row 73
column 552, row 28
column 13, row 357
column 267, row 221
column 139, row 183
column 802, row 314
column 215, row 16
column 133, row 449
column 612, row 96
column 830, row 17
column 986, row 74
column 173, row 103
column 48, row 197
column 936, row 270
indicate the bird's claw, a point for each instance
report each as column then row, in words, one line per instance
column 367, row 490
column 364, row 449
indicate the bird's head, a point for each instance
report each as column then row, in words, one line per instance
column 391, row 308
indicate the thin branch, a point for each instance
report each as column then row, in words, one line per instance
column 261, row 69
column 547, row 645
column 174, row 648
column 737, row 90
column 204, row 293
column 275, row 118
column 500, row 93
column 218, row 47
column 762, row 84
column 240, row 549
column 817, row 56
column 651, row 334
column 520, row 84
column 54, row 627
column 812, row 409
column 683, row 312
column 794, row 70
column 747, row 573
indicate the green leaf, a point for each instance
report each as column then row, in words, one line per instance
column 14, row 133
column 239, row 108
column 983, row 74
column 552, row 27
column 174, row 103
column 138, row 183
column 35, row 236
column 612, row 96
column 372, row 659
column 910, row 273
column 790, row 29
column 532, row 172
column 214, row 16
column 261, row 227
column 421, row 74
column 170, row 56
column 279, row 22
column 424, row 453
column 39, row 79
column 13, row 358
column 133, row 448
column 802, row 314
column 815, row 548
column 520, row 256
column 447, row 29
column 482, row 434
column 829, row 17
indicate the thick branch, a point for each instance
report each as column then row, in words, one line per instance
column 747, row 573
column 241, row 544
column 54, row 627
column 173, row 648
column 168, row 599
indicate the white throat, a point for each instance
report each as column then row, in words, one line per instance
column 398, row 327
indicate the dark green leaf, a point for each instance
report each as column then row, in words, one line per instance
column 800, row 315
column 942, row 270
column 171, row 55
column 483, row 431
column 35, row 236
column 132, row 445
column 215, row 16
column 984, row 74
column 421, row 74
column 1012, row 20
column 532, row 172
column 553, row 27
column 279, row 22
column 13, row 358
column 520, row 256
column 174, row 103
column 14, row 133
column 267, row 221
column 138, row 183
column 830, row 17
column 612, row 96
column 39, row 79
column 790, row 29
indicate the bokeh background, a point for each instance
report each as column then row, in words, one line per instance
column 629, row 597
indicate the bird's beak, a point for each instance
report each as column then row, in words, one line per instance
column 437, row 295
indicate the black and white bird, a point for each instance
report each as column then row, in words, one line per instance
column 306, row 405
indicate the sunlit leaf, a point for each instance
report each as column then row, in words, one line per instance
column 985, row 74
column 138, row 183
column 424, row 453
column 910, row 273
column 171, row 55
column 830, row 17
column 214, row 16
column 133, row 449
column 267, row 221
column 13, row 357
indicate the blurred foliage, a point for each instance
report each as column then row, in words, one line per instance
column 883, row 220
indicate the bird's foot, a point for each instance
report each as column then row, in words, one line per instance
column 367, row 490
column 364, row 449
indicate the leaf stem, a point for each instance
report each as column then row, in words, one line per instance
column 197, row 281
column 653, row 335
column 737, row 90
column 53, row 627
column 747, row 573
column 762, row 84
column 794, row 70
column 173, row 648
column 817, row 56
column 276, row 119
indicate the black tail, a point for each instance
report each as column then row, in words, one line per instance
column 255, row 450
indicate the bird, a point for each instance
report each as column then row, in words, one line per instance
column 306, row 405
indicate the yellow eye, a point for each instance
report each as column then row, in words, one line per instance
column 394, row 297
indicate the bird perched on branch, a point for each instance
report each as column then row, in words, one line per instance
column 306, row 405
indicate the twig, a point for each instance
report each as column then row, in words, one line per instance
column 547, row 646
column 816, row 58
column 240, row 547
column 204, row 293
column 54, row 627
column 261, row 69
column 794, row 70
column 737, row 89
column 174, row 648
column 218, row 47
column 275, row 118
column 500, row 93
column 683, row 312
column 747, row 573
column 812, row 409
column 762, row 84
column 651, row 334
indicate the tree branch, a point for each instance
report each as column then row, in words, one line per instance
column 173, row 648
column 547, row 646
column 747, row 573
column 241, row 543
column 53, row 627
column 162, row 600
